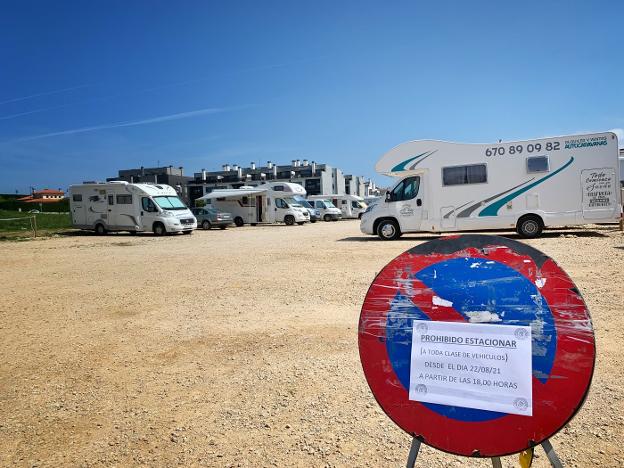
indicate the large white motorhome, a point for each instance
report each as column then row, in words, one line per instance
column 351, row 206
column 267, row 203
column 121, row 206
column 526, row 185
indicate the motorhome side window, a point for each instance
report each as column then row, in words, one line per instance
column 124, row 199
column 148, row 204
column 77, row 197
column 460, row 175
column 278, row 188
column 537, row 164
column 406, row 189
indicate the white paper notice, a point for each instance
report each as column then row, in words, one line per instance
column 471, row 365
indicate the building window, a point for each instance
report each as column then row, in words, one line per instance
column 460, row 175
column 313, row 186
column 77, row 197
column 124, row 199
column 537, row 164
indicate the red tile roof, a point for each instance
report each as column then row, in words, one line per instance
column 49, row 192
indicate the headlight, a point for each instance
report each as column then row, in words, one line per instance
column 168, row 214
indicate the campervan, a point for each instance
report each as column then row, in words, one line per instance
column 315, row 215
column 526, row 185
column 350, row 206
column 266, row 203
column 121, row 206
column 326, row 208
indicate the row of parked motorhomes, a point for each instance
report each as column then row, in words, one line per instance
column 442, row 187
column 123, row 206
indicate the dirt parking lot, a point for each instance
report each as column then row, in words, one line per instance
column 239, row 348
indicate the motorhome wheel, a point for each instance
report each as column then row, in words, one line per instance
column 529, row 226
column 238, row 221
column 327, row 218
column 159, row 229
column 100, row 230
column 206, row 224
column 388, row 230
column 289, row 220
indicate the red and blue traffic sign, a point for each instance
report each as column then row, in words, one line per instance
column 498, row 277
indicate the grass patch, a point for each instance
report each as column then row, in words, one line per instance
column 17, row 224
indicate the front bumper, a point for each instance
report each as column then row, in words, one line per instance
column 366, row 224
column 176, row 225
column 302, row 217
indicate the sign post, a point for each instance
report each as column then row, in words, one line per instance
column 477, row 345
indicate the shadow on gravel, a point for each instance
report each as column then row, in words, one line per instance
column 377, row 239
column 544, row 235
column 79, row 233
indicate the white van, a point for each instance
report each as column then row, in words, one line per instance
column 120, row 206
column 264, row 204
column 350, row 206
column 326, row 208
column 526, row 185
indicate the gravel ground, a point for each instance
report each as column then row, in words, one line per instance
column 239, row 348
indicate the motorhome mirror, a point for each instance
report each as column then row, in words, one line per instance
column 388, row 196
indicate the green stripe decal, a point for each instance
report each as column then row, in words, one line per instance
column 492, row 210
column 401, row 166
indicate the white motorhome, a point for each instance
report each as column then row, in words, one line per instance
column 526, row 185
column 327, row 209
column 267, row 203
column 121, row 206
column 350, row 206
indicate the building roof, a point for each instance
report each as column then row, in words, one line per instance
column 31, row 199
column 48, row 192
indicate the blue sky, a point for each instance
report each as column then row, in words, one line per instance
column 87, row 88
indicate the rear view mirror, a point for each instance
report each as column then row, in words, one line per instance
column 388, row 196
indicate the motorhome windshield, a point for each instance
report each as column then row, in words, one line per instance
column 292, row 202
column 304, row 203
column 329, row 204
column 170, row 203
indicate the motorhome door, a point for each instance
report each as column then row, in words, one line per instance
column 259, row 208
column 148, row 212
column 124, row 211
column 407, row 201
column 79, row 209
column 281, row 207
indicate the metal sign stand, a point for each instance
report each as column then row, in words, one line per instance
column 496, row 461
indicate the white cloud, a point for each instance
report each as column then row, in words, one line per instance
column 129, row 123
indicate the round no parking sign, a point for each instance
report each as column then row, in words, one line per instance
column 476, row 345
